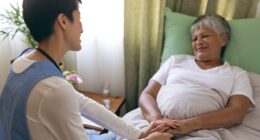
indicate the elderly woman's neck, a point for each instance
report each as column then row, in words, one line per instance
column 208, row 64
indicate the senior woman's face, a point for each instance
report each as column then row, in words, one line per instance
column 207, row 44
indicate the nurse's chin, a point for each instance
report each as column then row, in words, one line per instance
column 76, row 49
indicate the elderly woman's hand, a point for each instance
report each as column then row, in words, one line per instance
column 159, row 129
column 183, row 127
column 164, row 125
column 151, row 128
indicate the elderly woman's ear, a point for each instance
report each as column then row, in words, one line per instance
column 224, row 40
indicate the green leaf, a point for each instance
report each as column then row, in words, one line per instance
column 13, row 17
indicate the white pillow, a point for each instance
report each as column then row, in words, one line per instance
column 252, row 119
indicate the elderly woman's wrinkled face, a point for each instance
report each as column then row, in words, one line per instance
column 207, row 44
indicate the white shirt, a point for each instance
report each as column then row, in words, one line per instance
column 54, row 110
column 182, row 69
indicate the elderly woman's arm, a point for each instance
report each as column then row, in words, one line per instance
column 147, row 102
column 232, row 115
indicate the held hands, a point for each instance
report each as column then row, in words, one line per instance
column 158, row 129
column 165, row 124
column 148, row 130
column 162, row 128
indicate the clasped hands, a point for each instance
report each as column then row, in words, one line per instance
column 173, row 127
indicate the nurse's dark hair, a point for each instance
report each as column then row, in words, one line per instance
column 40, row 15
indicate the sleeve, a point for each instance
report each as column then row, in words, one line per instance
column 242, row 86
column 102, row 116
column 162, row 74
column 59, row 111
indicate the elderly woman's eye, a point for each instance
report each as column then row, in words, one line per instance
column 205, row 36
column 194, row 39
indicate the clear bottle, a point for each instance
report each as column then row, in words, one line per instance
column 106, row 95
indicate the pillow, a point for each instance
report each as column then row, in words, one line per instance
column 252, row 119
column 177, row 34
column 242, row 50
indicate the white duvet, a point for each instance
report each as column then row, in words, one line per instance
column 182, row 101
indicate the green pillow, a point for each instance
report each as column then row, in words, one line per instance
column 242, row 50
column 177, row 34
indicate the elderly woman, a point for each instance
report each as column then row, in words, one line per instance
column 201, row 92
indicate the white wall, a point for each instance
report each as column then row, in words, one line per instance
column 9, row 49
column 102, row 56
column 5, row 57
column 70, row 61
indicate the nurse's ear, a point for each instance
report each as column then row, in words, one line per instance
column 62, row 21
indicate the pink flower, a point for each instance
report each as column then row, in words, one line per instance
column 72, row 77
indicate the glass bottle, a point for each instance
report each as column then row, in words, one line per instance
column 106, row 95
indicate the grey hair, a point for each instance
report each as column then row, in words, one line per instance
column 215, row 22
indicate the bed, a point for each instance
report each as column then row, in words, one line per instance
column 243, row 50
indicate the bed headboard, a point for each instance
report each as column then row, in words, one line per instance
column 242, row 50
